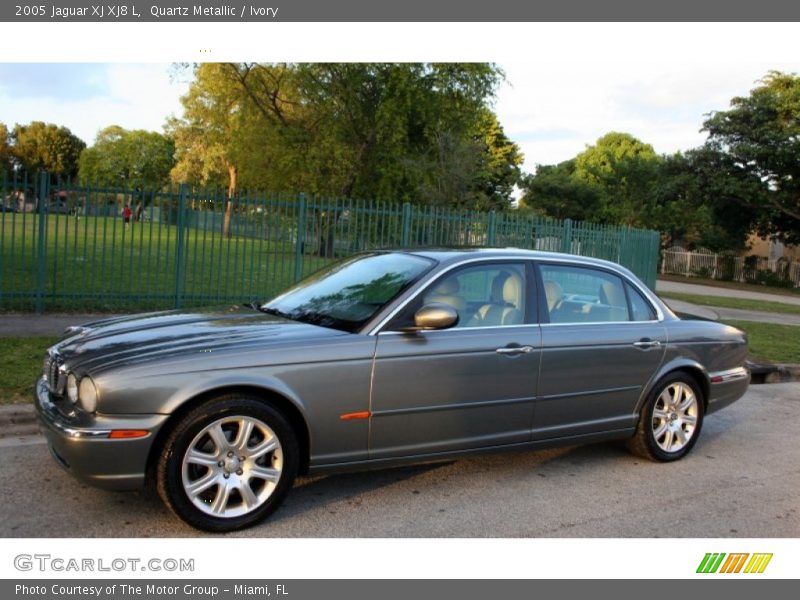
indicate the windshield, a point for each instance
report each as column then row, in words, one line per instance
column 349, row 293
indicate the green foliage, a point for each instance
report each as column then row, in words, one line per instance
column 609, row 182
column 700, row 198
column 406, row 132
column 42, row 146
column 6, row 154
column 134, row 159
column 623, row 168
column 760, row 133
column 608, row 153
column 500, row 161
column 556, row 192
column 769, row 342
column 216, row 133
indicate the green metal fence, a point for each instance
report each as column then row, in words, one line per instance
column 68, row 247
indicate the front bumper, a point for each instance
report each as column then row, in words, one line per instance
column 80, row 444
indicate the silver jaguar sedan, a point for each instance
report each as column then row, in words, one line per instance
column 381, row 359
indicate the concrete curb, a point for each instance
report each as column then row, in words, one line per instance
column 18, row 420
column 783, row 374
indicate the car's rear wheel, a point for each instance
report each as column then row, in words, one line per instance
column 228, row 463
column 671, row 419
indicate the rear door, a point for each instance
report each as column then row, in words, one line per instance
column 601, row 344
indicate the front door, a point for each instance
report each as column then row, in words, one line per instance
column 469, row 386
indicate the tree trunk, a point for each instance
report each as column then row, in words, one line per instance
column 226, row 221
column 325, row 249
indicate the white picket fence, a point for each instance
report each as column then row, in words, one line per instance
column 678, row 261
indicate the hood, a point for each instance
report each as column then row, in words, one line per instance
column 165, row 335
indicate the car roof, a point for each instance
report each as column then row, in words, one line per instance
column 451, row 255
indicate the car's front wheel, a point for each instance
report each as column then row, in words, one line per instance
column 671, row 419
column 228, row 463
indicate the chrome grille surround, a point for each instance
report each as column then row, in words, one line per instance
column 55, row 374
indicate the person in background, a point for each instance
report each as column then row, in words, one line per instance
column 126, row 215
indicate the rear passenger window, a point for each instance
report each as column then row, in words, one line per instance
column 641, row 309
column 583, row 295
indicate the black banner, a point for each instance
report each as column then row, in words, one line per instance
column 401, row 589
column 405, row 11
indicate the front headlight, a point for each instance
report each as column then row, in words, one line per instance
column 87, row 397
column 72, row 388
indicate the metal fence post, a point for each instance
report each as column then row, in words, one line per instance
column 41, row 242
column 566, row 241
column 625, row 256
column 301, row 237
column 491, row 228
column 180, row 255
column 406, row 231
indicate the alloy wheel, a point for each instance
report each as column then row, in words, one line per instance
column 232, row 466
column 675, row 415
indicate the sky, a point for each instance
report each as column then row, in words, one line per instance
column 552, row 109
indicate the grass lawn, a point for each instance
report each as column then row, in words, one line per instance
column 734, row 285
column 770, row 342
column 742, row 303
column 22, row 359
column 98, row 264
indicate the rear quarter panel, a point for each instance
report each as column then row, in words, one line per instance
column 705, row 347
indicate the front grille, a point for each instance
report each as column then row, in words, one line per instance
column 54, row 374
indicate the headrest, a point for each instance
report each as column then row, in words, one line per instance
column 553, row 292
column 512, row 290
column 447, row 287
column 497, row 286
column 611, row 294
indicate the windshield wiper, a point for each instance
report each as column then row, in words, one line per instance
column 275, row 312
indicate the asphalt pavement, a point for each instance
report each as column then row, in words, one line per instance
column 710, row 290
column 716, row 313
column 48, row 324
column 741, row 480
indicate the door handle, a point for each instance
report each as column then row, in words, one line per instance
column 646, row 344
column 515, row 350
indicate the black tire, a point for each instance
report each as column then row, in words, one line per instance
column 646, row 443
column 224, row 412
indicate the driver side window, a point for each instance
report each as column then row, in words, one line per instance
column 485, row 295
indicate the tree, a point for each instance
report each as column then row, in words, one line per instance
column 6, row 153
column 760, row 134
column 498, row 169
column 214, row 138
column 703, row 198
column 210, row 137
column 623, row 168
column 134, row 159
column 374, row 130
column 555, row 191
column 46, row 147
column 609, row 182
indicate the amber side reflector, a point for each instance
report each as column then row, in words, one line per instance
column 126, row 434
column 356, row 415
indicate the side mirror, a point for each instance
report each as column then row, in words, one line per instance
column 433, row 316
